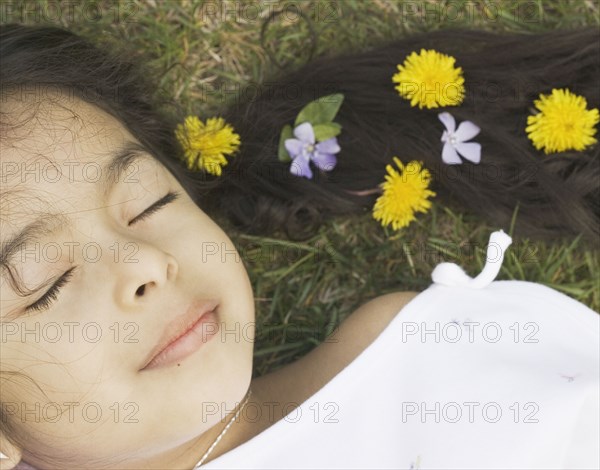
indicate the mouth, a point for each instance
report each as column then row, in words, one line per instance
column 184, row 335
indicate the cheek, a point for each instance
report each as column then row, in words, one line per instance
column 202, row 239
column 54, row 391
column 63, row 357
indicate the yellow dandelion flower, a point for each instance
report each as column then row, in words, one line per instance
column 563, row 123
column 403, row 194
column 205, row 145
column 430, row 79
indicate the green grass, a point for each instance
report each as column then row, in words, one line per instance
column 208, row 50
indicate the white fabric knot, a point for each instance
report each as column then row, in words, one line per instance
column 450, row 274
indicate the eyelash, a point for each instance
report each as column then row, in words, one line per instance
column 52, row 294
column 170, row 197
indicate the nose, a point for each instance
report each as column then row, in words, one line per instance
column 146, row 272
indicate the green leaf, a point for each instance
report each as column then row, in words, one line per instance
column 320, row 111
column 326, row 131
column 282, row 153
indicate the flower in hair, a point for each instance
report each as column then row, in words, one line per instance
column 430, row 80
column 563, row 123
column 454, row 141
column 404, row 194
column 205, row 145
column 313, row 137
column 303, row 150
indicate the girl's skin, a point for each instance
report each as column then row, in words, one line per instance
column 128, row 291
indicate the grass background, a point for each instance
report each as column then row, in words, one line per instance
column 209, row 50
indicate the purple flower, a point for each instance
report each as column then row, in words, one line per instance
column 302, row 149
column 455, row 141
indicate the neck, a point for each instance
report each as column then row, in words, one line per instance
column 241, row 430
column 230, row 421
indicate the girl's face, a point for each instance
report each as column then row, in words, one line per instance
column 129, row 278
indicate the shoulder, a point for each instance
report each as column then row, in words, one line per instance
column 361, row 328
column 307, row 375
column 365, row 324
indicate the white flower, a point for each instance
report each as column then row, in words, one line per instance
column 454, row 139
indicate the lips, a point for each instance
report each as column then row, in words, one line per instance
column 180, row 326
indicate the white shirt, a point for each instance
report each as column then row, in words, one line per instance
column 471, row 374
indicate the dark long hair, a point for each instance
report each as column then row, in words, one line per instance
column 557, row 194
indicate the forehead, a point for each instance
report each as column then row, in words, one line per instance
column 52, row 156
column 57, row 128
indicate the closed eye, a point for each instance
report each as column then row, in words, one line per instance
column 52, row 294
column 170, row 197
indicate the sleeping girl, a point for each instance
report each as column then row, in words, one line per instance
column 127, row 340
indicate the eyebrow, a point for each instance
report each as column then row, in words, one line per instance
column 111, row 171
